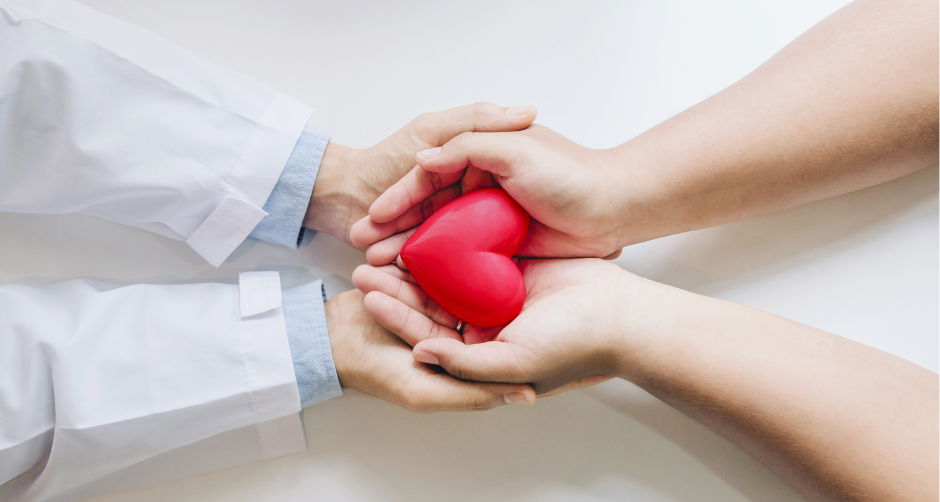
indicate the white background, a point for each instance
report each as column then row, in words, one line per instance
column 864, row 265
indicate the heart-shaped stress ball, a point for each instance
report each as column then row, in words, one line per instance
column 462, row 257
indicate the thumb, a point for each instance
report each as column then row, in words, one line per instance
column 487, row 151
column 482, row 362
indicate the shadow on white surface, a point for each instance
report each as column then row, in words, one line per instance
column 719, row 259
column 566, row 447
column 612, row 442
column 863, row 265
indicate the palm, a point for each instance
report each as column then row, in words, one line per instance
column 558, row 338
column 564, row 327
column 374, row 361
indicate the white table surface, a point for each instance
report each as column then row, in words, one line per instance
column 864, row 265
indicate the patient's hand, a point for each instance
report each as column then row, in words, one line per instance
column 576, row 196
column 349, row 180
column 373, row 361
column 568, row 335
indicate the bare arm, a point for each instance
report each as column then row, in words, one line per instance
column 851, row 103
column 836, row 419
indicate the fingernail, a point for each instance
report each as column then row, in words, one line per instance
column 430, row 152
column 519, row 110
column 515, row 398
column 426, row 357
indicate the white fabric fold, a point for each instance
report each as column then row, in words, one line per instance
column 225, row 229
column 121, row 375
column 259, row 293
column 103, row 118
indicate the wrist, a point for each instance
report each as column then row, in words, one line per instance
column 330, row 207
column 664, row 330
column 645, row 327
column 633, row 189
column 333, row 311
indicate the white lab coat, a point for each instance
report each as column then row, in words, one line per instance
column 105, row 387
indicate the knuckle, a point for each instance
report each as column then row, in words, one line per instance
column 481, row 110
column 426, row 209
column 422, row 124
column 430, row 308
column 437, row 331
column 403, row 320
column 479, row 403
column 463, row 138
column 436, row 183
column 416, row 403
column 460, row 370
column 422, row 120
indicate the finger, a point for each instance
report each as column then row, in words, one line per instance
column 445, row 393
column 488, row 151
column 473, row 334
column 483, row 362
column 408, row 192
column 475, row 179
column 394, row 271
column 404, row 321
column 367, row 279
column 401, row 263
column 613, row 256
column 437, row 128
column 578, row 384
column 385, row 251
column 369, row 231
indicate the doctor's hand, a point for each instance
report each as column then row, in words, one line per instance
column 566, row 337
column 349, row 180
column 574, row 194
column 371, row 360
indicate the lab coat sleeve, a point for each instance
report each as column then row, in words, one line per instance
column 97, row 378
column 287, row 204
column 102, row 118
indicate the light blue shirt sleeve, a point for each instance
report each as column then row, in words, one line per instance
column 287, row 204
column 310, row 343
column 303, row 306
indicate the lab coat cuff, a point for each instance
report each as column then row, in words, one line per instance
column 261, row 311
column 287, row 204
column 309, row 342
column 252, row 181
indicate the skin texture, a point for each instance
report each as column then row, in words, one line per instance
column 395, row 301
column 851, row 103
column 350, row 180
column 371, row 360
column 836, row 419
column 367, row 358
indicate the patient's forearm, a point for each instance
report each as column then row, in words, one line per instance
column 836, row 419
column 851, row 103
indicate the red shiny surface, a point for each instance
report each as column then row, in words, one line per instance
column 461, row 257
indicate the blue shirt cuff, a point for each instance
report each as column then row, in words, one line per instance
column 287, row 204
column 310, row 343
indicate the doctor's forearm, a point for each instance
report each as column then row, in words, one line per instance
column 851, row 103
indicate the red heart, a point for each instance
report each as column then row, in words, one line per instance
column 461, row 257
